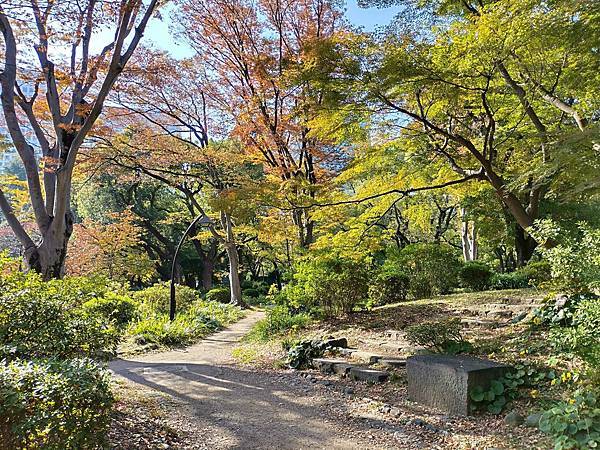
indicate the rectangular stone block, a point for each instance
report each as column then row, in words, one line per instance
column 326, row 365
column 369, row 375
column 445, row 381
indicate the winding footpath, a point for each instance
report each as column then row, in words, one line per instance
column 228, row 407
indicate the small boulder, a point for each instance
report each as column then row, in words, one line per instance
column 533, row 420
column 514, row 419
column 336, row 342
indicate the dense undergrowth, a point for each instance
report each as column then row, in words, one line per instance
column 55, row 392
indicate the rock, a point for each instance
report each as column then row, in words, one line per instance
column 533, row 420
column 366, row 357
column 369, row 375
column 444, row 382
column 513, row 419
column 392, row 362
column 337, row 342
column 385, row 409
column 395, row 411
column 326, row 365
column 342, row 369
column 349, row 391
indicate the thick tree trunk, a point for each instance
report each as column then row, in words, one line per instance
column 208, row 270
column 524, row 245
column 234, row 262
column 48, row 257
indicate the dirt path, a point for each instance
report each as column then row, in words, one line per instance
column 225, row 407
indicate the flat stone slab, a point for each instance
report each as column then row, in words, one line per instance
column 326, row 365
column 342, row 369
column 366, row 357
column 444, row 381
column 393, row 362
column 370, row 375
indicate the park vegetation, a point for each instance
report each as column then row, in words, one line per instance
column 336, row 170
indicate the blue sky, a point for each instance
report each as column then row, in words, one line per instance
column 369, row 19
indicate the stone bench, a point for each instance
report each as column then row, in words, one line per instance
column 444, row 381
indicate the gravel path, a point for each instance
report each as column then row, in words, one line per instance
column 221, row 406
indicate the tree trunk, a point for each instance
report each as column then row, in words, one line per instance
column 468, row 237
column 234, row 262
column 524, row 245
column 48, row 257
column 208, row 270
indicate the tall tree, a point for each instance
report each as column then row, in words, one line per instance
column 74, row 83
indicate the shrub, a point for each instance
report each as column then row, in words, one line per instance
column 574, row 261
column 54, row 404
column 334, row 284
column 200, row 319
column 157, row 298
column 475, row 276
column 116, row 308
column 279, row 320
column 251, row 292
column 389, row 287
column 511, row 280
column 444, row 336
column 574, row 424
column 219, row 294
column 537, row 273
column 36, row 323
column 582, row 337
column 432, row 268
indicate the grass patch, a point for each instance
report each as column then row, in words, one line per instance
column 278, row 322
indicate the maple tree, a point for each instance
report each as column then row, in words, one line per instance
column 69, row 92
column 113, row 250
column 252, row 54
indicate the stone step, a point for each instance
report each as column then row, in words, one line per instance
column 326, row 365
column 394, row 363
column 367, row 357
column 369, row 375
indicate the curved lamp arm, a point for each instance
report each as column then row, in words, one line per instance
column 202, row 219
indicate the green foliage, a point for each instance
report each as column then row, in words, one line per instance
column 157, row 298
column 54, row 404
column 575, row 423
column 335, row 284
column 388, row 287
column 200, row 319
column 475, row 276
column 38, row 322
column 250, row 292
column 510, row 280
column 300, row 355
column 538, row 273
column 443, row 336
column 432, row 268
column 582, row 337
column 279, row 320
column 117, row 309
column 575, row 260
column 506, row 388
column 559, row 310
column 219, row 294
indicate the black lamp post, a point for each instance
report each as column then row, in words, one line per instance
column 202, row 219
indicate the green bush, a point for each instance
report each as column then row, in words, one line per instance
column 575, row 423
column 157, row 298
column 117, row 309
column 511, row 280
column 444, row 336
column 200, row 319
column 475, row 276
column 54, row 404
column 333, row 284
column 251, row 293
column 219, row 294
column 582, row 335
column 537, row 273
column 278, row 320
column 432, row 268
column 37, row 323
column 389, row 287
